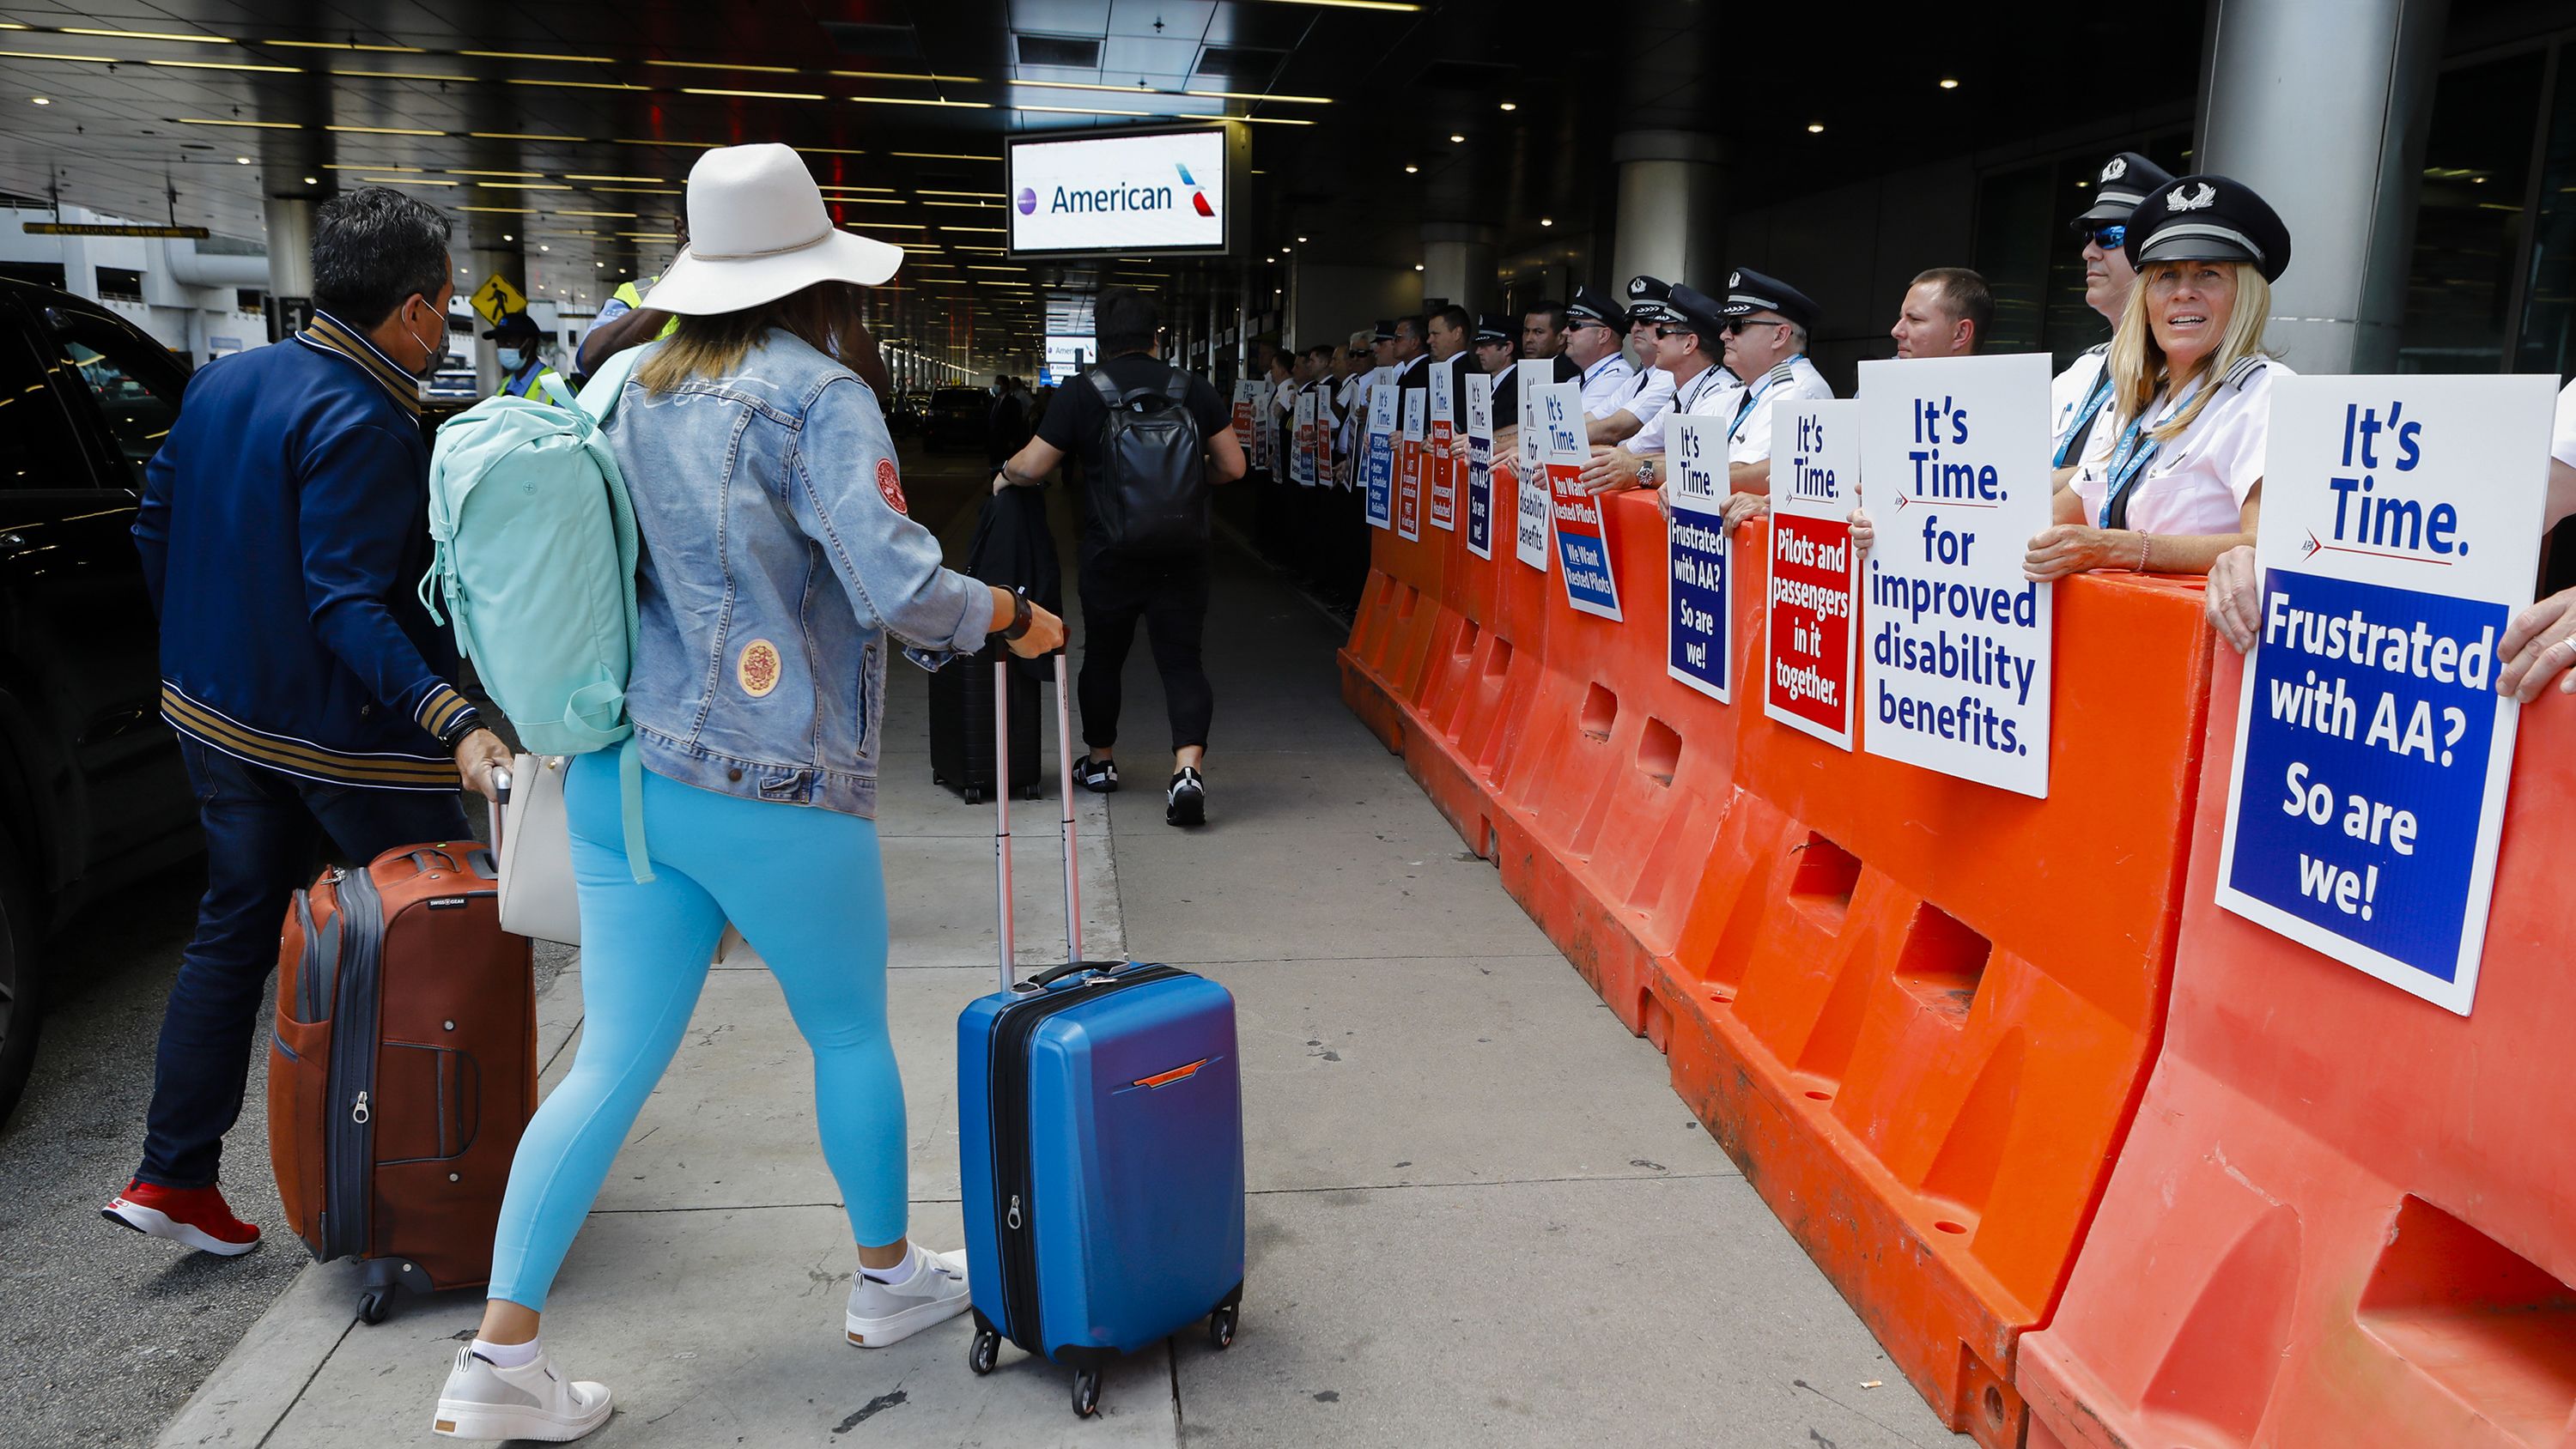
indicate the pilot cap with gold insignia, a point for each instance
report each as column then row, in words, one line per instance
column 2208, row 219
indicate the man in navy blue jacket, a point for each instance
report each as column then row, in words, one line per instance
column 282, row 532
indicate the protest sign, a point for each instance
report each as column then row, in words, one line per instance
column 1379, row 461
column 1480, row 465
column 1408, row 474
column 1302, row 471
column 1246, row 394
column 1696, row 648
column 1954, row 458
column 1443, row 481
column 1811, row 612
column 1531, row 504
column 2400, row 531
column 1582, row 543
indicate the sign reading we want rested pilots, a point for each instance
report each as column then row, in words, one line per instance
column 2400, row 531
column 1955, row 667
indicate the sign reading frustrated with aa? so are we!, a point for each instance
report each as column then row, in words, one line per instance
column 1480, row 465
column 2400, row 531
column 1956, row 667
column 1378, row 462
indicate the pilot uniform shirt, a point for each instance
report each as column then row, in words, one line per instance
column 1645, row 397
column 1605, row 385
column 2082, row 389
column 1709, row 393
column 1748, row 438
column 2194, row 484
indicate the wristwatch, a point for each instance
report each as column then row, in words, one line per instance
column 1021, row 618
column 1646, row 474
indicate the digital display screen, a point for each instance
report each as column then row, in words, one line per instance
column 1162, row 191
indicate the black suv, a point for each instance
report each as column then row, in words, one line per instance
column 92, row 793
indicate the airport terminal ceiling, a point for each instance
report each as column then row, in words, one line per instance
column 565, row 131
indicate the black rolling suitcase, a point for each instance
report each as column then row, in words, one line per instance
column 961, row 728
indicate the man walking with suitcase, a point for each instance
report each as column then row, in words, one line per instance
column 282, row 539
column 1152, row 440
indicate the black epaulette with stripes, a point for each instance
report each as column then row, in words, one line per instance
column 2237, row 375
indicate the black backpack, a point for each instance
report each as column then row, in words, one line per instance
column 1152, row 494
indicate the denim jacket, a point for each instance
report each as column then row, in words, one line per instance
column 777, row 558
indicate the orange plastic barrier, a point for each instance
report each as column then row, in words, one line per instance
column 1919, row 1011
column 1623, row 777
column 2346, row 1217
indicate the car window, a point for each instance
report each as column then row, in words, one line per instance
column 135, row 386
column 37, row 446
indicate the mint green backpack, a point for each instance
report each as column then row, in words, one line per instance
column 535, row 561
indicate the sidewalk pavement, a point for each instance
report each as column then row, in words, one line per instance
column 1478, row 1217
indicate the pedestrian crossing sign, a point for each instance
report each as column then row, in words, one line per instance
column 496, row 299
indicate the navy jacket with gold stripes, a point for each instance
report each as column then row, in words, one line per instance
column 283, row 533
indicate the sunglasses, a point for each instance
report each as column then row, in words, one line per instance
column 1738, row 326
column 2109, row 238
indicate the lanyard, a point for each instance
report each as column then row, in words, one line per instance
column 2130, row 459
column 1753, row 395
column 2084, row 416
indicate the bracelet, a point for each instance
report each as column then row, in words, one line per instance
column 2144, row 539
column 1020, row 617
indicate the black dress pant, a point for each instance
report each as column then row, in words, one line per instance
column 1168, row 593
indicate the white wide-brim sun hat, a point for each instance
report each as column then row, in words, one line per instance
column 758, row 232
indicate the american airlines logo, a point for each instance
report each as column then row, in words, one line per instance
column 1115, row 198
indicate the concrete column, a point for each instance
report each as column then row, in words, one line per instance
column 290, row 262
column 1671, row 215
column 1458, row 264
column 2322, row 106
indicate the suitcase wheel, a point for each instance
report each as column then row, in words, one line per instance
column 986, row 1352
column 1086, row 1393
column 374, row 1304
column 974, row 796
column 1221, row 1328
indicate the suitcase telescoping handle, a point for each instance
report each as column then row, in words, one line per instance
column 500, row 806
column 1002, row 815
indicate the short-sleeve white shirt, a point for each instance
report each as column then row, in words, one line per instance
column 1748, row 439
column 2196, row 484
column 1605, row 385
column 1646, row 396
column 1708, row 394
column 2066, row 398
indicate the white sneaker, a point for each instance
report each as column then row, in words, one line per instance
column 881, row 1315
column 484, row 1401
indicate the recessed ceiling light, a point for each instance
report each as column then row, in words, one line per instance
column 241, row 160
column 1511, row 105
column 40, row 100
column 1948, row 84
column 1417, row 266
column 1815, row 128
column 1457, row 139
column 1547, row 221
column 541, row 246
column 505, row 236
column 1301, row 238
column 524, row 55
column 150, row 35
column 312, row 180
column 1410, row 170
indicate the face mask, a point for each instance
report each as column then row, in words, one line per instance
column 513, row 358
column 429, row 350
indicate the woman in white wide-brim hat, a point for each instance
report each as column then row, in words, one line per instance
column 778, row 567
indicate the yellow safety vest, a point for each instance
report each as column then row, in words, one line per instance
column 534, row 389
column 627, row 293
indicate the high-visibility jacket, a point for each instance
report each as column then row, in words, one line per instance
column 633, row 296
column 530, row 385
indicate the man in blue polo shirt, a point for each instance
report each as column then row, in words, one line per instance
column 282, row 536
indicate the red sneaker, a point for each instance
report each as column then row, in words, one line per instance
column 195, row 1216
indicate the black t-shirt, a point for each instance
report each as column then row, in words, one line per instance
column 1074, row 420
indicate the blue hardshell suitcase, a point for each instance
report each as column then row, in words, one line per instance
column 1101, row 1136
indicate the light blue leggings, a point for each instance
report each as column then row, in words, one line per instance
column 807, row 889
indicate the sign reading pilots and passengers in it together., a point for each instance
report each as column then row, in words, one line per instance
column 1480, row 465
column 1530, row 503
column 1582, row 539
column 1439, row 448
column 1408, row 469
column 1810, row 611
column 1955, row 673
column 1159, row 192
column 1378, row 461
column 2400, row 531
column 1696, row 650
column 1301, row 468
